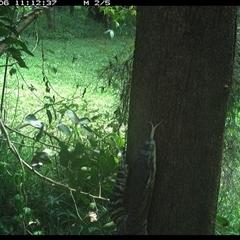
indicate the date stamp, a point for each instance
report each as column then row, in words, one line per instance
column 51, row 2
column 4, row 2
column 35, row 2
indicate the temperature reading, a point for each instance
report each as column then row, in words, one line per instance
column 100, row 3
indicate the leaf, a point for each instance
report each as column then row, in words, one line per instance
column 64, row 154
column 36, row 164
column 77, row 227
column 93, row 205
column 107, row 186
column 78, row 150
column 80, row 196
column 106, row 164
column 63, row 128
column 94, row 180
column 111, row 163
column 102, row 164
column 13, row 30
column 41, row 157
column 116, row 160
column 53, row 69
column 47, row 87
column 32, row 88
column 12, row 71
column 39, row 135
column 109, row 224
column 107, row 31
column 51, row 99
column 88, row 131
column 80, row 181
column 49, row 115
column 45, row 152
column 84, row 121
column 85, row 169
column 118, row 140
column 222, row 221
column 21, row 63
column 27, row 212
column 6, row 19
column 93, row 142
column 111, row 33
column 32, row 120
column 73, row 116
column 116, row 24
column 4, row 32
column 6, row 11
column 96, row 117
column 50, row 50
column 16, row 54
column 17, row 42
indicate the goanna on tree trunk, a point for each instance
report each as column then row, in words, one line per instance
column 182, row 75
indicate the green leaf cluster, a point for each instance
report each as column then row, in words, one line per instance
column 84, row 150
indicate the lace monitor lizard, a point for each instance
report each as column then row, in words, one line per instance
column 142, row 182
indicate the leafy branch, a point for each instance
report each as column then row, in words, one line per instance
column 22, row 162
column 29, row 18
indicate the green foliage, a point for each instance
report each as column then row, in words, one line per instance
column 118, row 17
column 9, row 36
column 70, row 27
column 58, row 149
column 228, row 202
column 119, row 20
column 122, row 14
column 117, row 74
column 82, row 158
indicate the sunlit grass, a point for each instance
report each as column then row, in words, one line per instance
column 69, row 67
column 76, row 61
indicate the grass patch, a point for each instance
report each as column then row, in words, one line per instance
column 76, row 61
column 70, row 67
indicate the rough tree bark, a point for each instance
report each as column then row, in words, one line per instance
column 182, row 74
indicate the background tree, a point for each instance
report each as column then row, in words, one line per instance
column 71, row 10
column 51, row 20
column 182, row 74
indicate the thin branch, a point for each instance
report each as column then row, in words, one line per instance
column 4, row 87
column 75, row 205
column 15, row 152
column 26, row 136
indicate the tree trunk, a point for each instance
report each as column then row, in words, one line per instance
column 71, row 10
column 54, row 19
column 182, row 74
column 49, row 19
